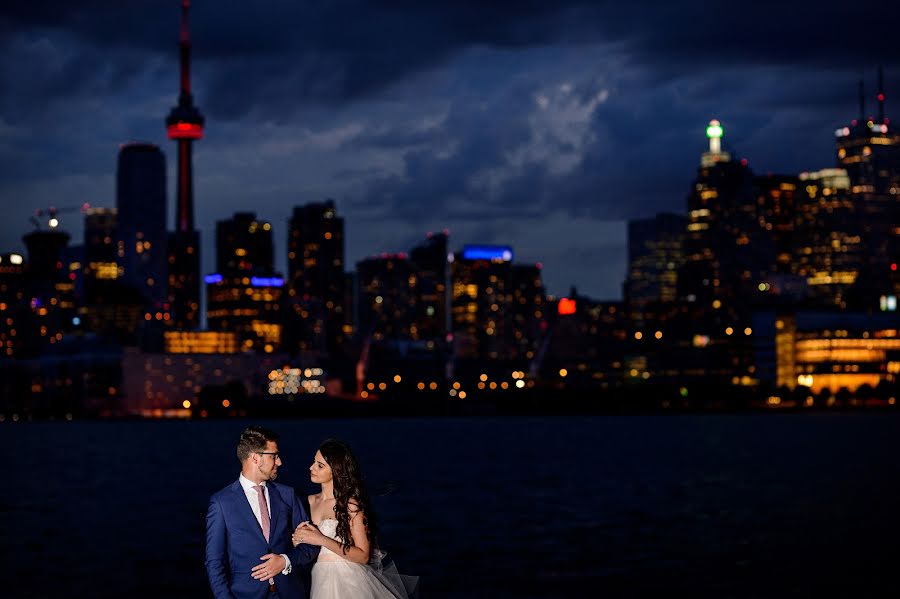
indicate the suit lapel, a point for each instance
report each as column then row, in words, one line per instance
column 275, row 503
column 245, row 509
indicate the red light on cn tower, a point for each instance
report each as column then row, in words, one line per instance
column 185, row 131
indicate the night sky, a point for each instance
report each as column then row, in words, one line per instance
column 543, row 125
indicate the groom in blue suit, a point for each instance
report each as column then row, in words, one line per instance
column 249, row 553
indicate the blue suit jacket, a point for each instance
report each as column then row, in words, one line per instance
column 235, row 542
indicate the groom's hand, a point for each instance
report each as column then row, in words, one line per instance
column 272, row 565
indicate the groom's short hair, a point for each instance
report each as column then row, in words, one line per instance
column 253, row 439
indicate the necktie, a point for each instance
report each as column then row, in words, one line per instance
column 263, row 511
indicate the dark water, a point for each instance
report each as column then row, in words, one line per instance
column 786, row 505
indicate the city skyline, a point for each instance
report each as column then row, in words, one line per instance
column 545, row 129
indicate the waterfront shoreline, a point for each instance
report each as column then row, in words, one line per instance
column 403, row 408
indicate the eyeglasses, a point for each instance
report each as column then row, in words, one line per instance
column 272, row 453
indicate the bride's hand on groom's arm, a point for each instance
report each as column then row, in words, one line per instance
column 309, row 534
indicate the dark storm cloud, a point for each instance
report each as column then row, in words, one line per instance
column 273, row 57
column 439, row 174
column 604, row 182
column 276, row 55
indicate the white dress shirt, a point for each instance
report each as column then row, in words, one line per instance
column 253, row 498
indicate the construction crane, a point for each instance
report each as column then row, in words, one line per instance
column 50, row 214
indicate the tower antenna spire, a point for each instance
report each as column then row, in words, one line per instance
column 184, row 44
column 880, row 95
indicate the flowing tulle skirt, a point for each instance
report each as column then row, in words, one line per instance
column 336, row 578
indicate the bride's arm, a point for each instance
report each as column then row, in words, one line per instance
column 359, row 552
column 302, row 554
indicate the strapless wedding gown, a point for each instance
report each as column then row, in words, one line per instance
column 334, row 577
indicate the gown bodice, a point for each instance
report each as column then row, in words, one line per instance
column 328, row 527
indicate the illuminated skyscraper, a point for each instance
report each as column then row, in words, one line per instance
column 50, row 293
column 316, row 277
column 869, row 150
column 828, row 251
column 184, row 284
column 184, row 125
column 718, row 283
column 15, row 317
column 14, row 306
column 655, row 254
column 244, row 245
column 245, row 295
column 777, row 203
column 482, row 295
column 100, row 245
column 528, row 311
column 140, row 222
column 431, row 271
column 387, row 299
column 403, row 296
column 113, row 306
column 249, row 306
column 720, row 258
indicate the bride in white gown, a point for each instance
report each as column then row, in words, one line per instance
column 349, row 566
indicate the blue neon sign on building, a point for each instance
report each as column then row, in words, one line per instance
column 488, row 252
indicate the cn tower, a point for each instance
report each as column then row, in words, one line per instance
column 184, row 125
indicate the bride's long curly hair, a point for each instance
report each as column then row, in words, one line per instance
column 348, row 486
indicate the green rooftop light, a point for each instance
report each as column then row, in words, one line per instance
column 714, row 129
